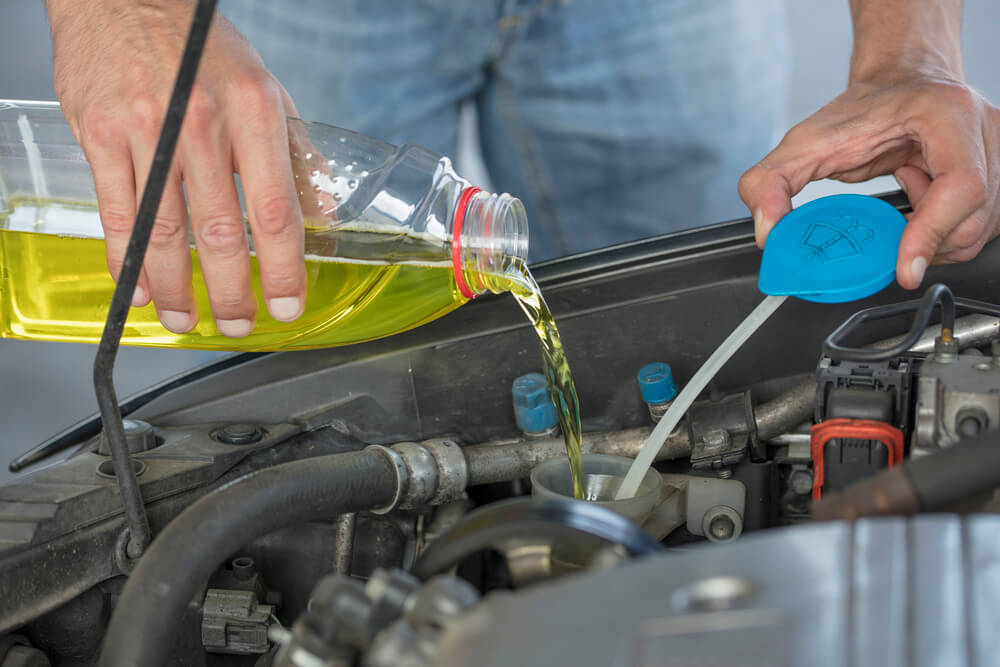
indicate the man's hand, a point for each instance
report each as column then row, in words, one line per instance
column 115, row 63
column 906, row 112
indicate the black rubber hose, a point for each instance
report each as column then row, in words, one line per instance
column 924, row 308
column 960, row 472
column 526, row 518
column 927, row 484
column 179, row 561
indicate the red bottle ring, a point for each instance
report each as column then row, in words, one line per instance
column 456, row 242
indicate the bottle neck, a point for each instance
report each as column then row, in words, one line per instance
column 490, row 242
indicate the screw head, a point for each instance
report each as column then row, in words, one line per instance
column 239, row 434
column 801, row 482
column 722, row 527
column 716, row 439
column 722, row 524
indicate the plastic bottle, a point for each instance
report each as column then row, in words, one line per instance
column 394, row 238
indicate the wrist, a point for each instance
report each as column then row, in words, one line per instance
column 897, row 66
column 896, row 39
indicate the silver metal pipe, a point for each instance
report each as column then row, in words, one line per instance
column 505, row 461
column 971, row 331
column 786, row 411
column 343, row 545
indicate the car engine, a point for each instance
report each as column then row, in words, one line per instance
column 373, row 505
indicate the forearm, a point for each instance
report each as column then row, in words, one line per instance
column 906, row 36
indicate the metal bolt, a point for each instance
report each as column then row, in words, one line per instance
column 239, row 434
column 139, row 437
column 716, row 439
column 725, row 473
column 801, row 482
column 721, row 527
column 971, row 421
column 722, row 524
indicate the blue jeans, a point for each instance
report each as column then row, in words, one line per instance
column 611, row 120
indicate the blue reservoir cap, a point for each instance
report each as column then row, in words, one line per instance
column 833, row 249
column 656, row 383
column 534, row 411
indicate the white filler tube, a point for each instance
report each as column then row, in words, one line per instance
column 680, row 405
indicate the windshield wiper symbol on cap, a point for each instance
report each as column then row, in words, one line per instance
column 839, row 239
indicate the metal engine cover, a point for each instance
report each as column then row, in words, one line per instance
column 879, row 593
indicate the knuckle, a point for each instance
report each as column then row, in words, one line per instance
column 146, row 114
column 99, row 127
column 115, row 219
column 276, row 215
column 969, row 233
column 222, row 235
column 965, row 254
column 259, row 94
column 168, row 232
column 754, row 178
column 203, row 111
column 958, row 95
column 974, row 189
column 747, row 181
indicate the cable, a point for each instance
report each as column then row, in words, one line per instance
column 924, row 308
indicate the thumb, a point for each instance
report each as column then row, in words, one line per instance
column 768, row 195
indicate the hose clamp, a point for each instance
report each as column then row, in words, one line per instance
column 401, row 473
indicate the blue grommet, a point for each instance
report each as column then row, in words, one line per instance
column 534, row 411
column 656, row 383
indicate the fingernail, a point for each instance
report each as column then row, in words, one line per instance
column 285, row 308
column 917, row 268
column 176, row 321
column 139, row 297
column 234, row 328
column 758, row 231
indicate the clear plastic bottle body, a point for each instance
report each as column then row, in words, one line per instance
column 380, row 246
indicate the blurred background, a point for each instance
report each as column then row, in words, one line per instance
column 45, row 387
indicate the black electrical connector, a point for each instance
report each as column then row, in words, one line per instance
column 104, row 362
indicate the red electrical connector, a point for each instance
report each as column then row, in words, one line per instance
column 851, row 429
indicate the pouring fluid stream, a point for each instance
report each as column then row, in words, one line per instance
column 556, row 367
column 690, row 392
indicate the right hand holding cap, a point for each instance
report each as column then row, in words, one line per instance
column 115, row 64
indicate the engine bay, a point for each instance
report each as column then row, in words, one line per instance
column 372, row 505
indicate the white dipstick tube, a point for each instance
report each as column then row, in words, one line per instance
column 686, row 397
